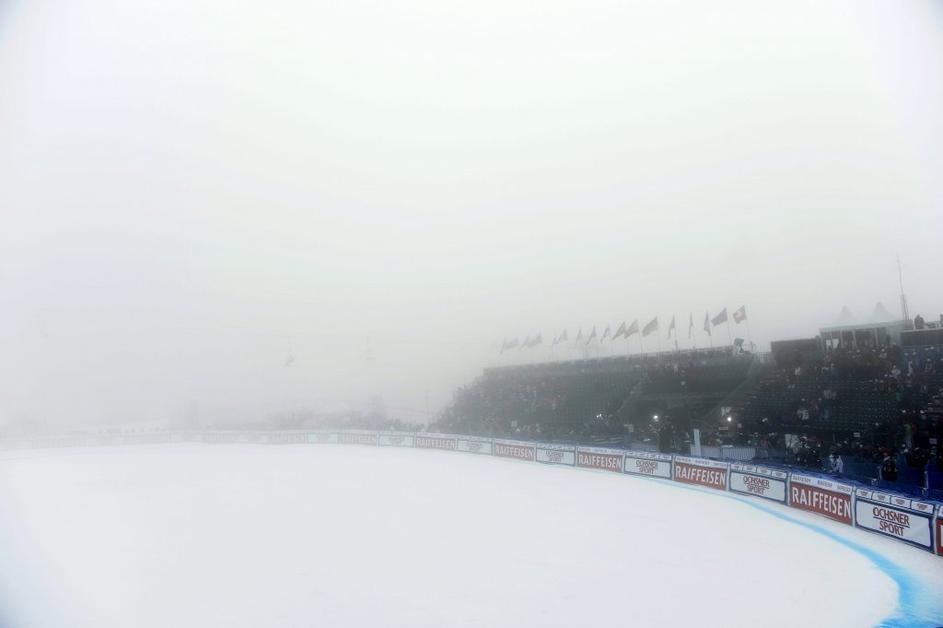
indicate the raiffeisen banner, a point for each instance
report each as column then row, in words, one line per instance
column 519, row 450
column 434, row 441
column 600, row 458
column 395, row 440
column 749, row 479
column 939, row 531
column 556, row 454
column 648, row 463
column 821, row 496
column 709, row 473
column 473, row 444
column 900, row 518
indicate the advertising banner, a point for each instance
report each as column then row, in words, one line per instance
column 600, row 458
column 896, row 520
column 434, row 441
column 709, row 473
column 556, row 454
column 395, row 440
column 286, row 438
column 939, row 531
column 648, row 463
column 760, row 481
column 473, row 444
column 357, row 438
column 515, row 449
column 322, row 438
column 821, row 496
column 220, row 437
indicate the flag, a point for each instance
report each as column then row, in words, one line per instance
column 508, row 344
column 605, row 334
column 740, row 315
column 720, row 318
column 579, row 336
column 633, row 329
column 620, row 331
column 707, row 324
column 691, row 325
column 652, row 326
column 671, row 327
column 559, row 339
column 563, row 336
column 536, row 340
column 591, row 335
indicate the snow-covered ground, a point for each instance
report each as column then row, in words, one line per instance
column 252, row 536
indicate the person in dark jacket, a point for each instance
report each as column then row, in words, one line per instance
column 889, row 469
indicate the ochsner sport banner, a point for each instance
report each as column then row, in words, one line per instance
column 556, row 454
column 395, row 440
column 600, row 458
column 894, row 516
column 648, row 463
column 709, row 473
column 434, row 441
column 760, row 481
column 473, row 444
column 821, row 496
column 515, row 449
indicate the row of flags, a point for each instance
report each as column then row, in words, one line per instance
column 627, row 331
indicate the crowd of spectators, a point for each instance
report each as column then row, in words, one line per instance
column 592, row 400
column 870, row 411
column 875, row 412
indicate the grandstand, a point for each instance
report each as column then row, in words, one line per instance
column 852, row 393
column 601, row 400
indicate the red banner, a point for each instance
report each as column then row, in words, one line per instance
column 509, row 450
column 434, row 442
column 592, row 460
column 711, row 477
column 815, row 499
column 939, row 534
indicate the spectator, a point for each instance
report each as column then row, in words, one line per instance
column 888, row 468
column 836, row 465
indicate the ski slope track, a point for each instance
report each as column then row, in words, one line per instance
column 250, row 536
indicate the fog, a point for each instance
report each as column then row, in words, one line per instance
column 229, row 210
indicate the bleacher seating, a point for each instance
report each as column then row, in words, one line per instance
column 862, row 405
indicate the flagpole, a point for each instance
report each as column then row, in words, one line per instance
column 729, row 337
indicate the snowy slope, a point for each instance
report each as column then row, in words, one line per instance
column 302, row 535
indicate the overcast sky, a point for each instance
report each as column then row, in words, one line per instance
column 192, row 190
